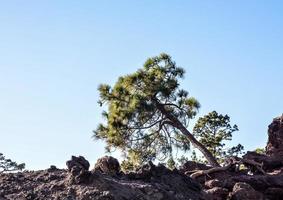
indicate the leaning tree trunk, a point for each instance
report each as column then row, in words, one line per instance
column 207, row 154
column 177, row 124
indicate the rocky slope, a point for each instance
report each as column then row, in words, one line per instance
column 106, row 181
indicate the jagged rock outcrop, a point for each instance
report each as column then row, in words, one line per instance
column 78, row 168
column 273, row 159
column 269, row 163
column 274, row 147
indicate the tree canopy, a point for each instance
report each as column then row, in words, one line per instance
column 148, row 114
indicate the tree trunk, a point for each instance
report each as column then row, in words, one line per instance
column 177, row 124
column 207, row 154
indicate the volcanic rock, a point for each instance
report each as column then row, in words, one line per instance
column 274, row 146
column 77, row 183
column 274, row 193
column 107, row 165
column 218, row 193
column 243, row 191
column 79, row 162
column 78, row 168
column 151, row 182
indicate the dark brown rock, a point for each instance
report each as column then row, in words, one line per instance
column 274, row 193
column 52, row 168
column 149, row 170
column 243, row 191
column 160, row 183
column 268, row 162
column 107, row 165
column 79, row 162
column 213, row 183
column 218, row 193
column 78, row 168
column 260, row 182
column 275, row 138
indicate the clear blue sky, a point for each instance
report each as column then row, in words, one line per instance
column 53, row 55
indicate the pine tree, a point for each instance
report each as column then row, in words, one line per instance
column 148, row 113
column 212, row 130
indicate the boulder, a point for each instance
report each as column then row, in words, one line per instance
column 107, row 165
column 243, row 191
column 52, row 168
column 79, row 162
column 78, row 168
column 218, row 193
column 150, row 171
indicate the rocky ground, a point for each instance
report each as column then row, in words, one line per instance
column 106, row 181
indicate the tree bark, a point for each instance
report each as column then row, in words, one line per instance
column 233, row 161
column 208, row 171
column 177, row 124
column 207, row 154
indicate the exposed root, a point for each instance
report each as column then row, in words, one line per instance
column 232, row 162
column 209, row 171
